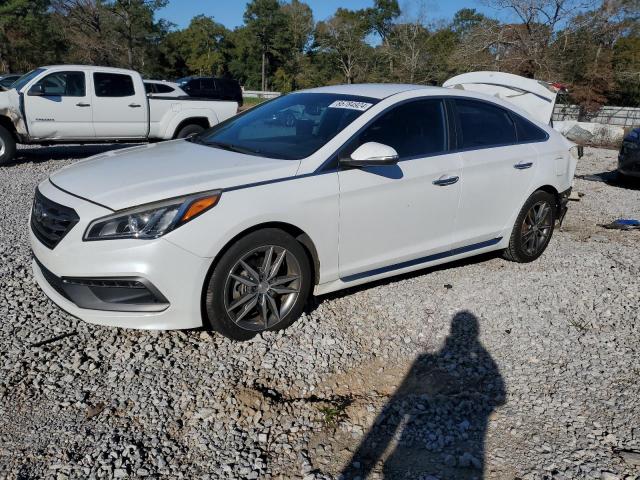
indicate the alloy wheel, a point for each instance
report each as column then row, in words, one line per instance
column 262, row 287
column 3, row 147
column 536, row 228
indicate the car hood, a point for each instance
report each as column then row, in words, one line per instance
column 147, row 173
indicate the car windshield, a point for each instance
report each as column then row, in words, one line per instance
column 26, row 78
column 290, row 127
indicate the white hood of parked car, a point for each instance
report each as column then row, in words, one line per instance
column 535, row 97
column 135, row 176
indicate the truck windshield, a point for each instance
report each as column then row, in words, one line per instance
column 26, row 78
column 290, row 127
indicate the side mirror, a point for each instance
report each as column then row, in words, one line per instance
column 371, row 154
column 37, row 90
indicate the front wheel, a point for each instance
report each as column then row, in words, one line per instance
column 7, row 146
column 261, row 283
column 533, row 228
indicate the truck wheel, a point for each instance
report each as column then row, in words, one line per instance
column 7, row 146
column 189, row 130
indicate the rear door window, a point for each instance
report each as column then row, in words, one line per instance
column 527, row 131
column 484, row 125
column 113, row 85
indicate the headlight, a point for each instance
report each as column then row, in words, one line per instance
column 152, row 220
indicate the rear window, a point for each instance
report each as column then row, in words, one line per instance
column 484, row 125
column 162, row 88
column 113, row 85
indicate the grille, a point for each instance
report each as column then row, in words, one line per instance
column 51, row 221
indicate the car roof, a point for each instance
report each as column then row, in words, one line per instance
column 88, row 67
column 372, row 90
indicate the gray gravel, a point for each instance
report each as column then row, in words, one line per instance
column 549, row 388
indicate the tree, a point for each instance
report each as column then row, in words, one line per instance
column 407, row 42
column 134, row 23
column 264, row 20
column 299, row 22
column 343, row 37
column 202, row 47
column 27, row 37
column 466, row 20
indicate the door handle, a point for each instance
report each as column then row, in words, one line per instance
column 523, row 166
column 82, row 104
column 442, row 182
column 134, row 105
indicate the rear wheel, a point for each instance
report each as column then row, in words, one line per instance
column 533, row 228
column 7, row 146
column 261, row 283
column 189, row 130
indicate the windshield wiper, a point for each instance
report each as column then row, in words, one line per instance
column 230, row 148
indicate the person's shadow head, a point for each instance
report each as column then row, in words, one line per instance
column 436, row 420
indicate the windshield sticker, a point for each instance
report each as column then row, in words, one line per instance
column 361, row 106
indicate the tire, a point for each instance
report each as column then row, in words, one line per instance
column 189, row 130
column 7, row 146
column 281, row 291
column 533, row 228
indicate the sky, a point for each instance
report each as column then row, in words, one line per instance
column 229, row 12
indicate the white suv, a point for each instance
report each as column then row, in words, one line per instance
column 235, row 227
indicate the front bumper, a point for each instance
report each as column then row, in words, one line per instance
column 69, row 275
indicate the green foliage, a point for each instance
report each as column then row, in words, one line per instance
column 27, row 36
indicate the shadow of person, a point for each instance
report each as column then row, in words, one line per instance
column 435, row 423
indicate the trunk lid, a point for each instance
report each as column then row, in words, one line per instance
column 535, row 97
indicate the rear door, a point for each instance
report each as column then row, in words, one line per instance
column 496, row 170
column 119, row 106
column 60, row 106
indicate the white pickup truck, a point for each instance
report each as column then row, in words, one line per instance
column 86, row 104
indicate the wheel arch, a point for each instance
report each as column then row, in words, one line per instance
column 9, row 126
column 553, row 191
column 296, row 232
column 202, row 121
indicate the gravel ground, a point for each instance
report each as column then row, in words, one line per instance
column 518, row 371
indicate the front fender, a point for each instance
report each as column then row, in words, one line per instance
column 10, row 103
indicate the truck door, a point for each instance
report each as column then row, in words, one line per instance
column 59, row 106
column 119, row 106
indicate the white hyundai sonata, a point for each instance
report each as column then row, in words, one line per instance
column 234, row 228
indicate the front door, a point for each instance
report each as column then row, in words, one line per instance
column 59, row 106
column 395, row 216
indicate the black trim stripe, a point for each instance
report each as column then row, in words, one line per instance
column 78, row 196
column 277, row 180
column 418, row 261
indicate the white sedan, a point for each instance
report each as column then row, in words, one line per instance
column 234, row 228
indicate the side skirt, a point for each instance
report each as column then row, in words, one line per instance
column 408, row 266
